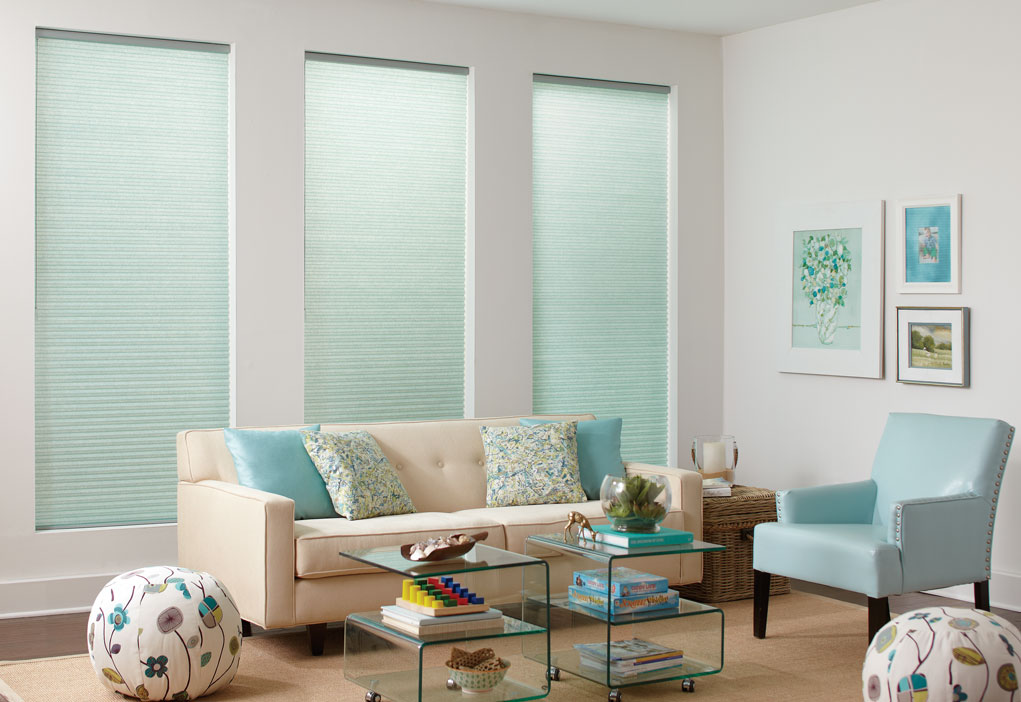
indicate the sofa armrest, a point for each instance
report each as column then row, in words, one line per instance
column 943, row 540
column 685, row 486
column 845, row 503
column 685, row 496
column 244, row 537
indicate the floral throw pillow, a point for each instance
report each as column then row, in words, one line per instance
column 535, row 465
column 359, row 478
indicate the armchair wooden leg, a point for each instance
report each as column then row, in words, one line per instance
column 246, row 628
column 982, row 595
column 316, row 638
column 879, row 614
column 761, row 605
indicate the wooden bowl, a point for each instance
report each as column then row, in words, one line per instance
column 448, row 552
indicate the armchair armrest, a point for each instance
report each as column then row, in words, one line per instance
column 845, row 503
column 943, row 540
column 244, row 537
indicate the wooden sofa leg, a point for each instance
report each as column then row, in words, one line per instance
column 316, row 638
column 982, row 595
column 761, row 605
column 246, row 628
column 879, row 614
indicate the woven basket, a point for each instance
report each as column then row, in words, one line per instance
column 727, row 575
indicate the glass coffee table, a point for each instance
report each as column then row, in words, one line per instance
column 394, row 664
column 580, row 634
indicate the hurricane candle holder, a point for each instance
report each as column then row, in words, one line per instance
column 715, row 456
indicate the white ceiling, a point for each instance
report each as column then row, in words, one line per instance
column 704, row 16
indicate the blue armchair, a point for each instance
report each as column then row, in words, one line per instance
column 924, row 519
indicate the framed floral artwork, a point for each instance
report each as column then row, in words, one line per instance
column 929, row 244
column 831, row 289
column 933, row 345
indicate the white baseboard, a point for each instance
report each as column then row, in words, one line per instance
column 45, row 596
column 1004, row 591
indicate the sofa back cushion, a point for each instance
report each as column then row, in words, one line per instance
column 440, row 463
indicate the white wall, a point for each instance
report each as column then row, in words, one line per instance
column 892, row 100
column 56, row 570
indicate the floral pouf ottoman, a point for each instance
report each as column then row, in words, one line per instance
column 165, row 633
column 943, row 653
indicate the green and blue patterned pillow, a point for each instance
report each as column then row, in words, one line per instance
column 535, row 465
column 598, row 450
column 359, row 478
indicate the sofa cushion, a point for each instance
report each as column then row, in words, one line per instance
column 318, row 542
column 598, row 451
column 276, row 461
column 359, row 478
column 532, row 465
column 523, row 521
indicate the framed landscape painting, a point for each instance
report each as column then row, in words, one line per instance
column 831, row 292
column 929, row 244
column 933, row 345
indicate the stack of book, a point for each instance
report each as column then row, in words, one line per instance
column 416, row 624
column 716, row 487
column 629, row 658
column 606, row 534
column 630, row 591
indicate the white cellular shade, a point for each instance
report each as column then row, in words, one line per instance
column 132, row 294
column 385, row 237
column 600, row 251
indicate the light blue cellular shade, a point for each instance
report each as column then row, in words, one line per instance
column 131, row 325
column 599, row 258
column 385, row 236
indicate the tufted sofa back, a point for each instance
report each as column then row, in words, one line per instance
column 441, row 463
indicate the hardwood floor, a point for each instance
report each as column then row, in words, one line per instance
column 64, row 634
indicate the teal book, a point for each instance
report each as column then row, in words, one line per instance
column 604, row 533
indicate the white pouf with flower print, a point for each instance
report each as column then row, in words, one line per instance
column 165, row 633
column 943, row 653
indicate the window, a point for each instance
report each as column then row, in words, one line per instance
column 385, row 238
column 132, row 292
column 600, row 305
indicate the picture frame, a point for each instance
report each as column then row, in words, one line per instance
column 934, row 346
column 929, row 245
column 830, row 289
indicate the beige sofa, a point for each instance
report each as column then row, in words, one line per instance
column 285, row 573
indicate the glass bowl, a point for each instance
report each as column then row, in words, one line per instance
column 636, row 503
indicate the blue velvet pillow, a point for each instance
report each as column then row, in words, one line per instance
column 277, row 462
column 598, row 450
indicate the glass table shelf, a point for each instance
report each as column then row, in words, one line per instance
column 403, row 667
column 511, row 627
column 693, row 628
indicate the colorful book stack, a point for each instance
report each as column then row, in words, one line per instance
column 629, row 658
column 439, row 606
column 606, row 534
column 631, row 591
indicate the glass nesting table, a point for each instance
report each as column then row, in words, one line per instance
column 393, row 664
column 690, row 627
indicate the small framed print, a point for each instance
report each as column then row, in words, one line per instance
column 933, row 346
column 930, row 245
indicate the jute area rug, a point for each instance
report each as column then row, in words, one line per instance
column 814, row 651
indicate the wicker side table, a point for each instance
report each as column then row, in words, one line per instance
column 728, row 521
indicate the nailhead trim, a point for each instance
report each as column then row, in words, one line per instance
column 996, row 492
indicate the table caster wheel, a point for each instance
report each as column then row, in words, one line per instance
column 371, row 696
column 615, row 696
column 554, row 673
column 451, row 685
column 688, row 685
